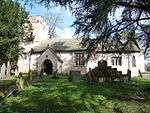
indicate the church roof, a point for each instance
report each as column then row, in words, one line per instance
column 74, row 45
column 60, row 45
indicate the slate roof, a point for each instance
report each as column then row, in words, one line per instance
column 74, row 45
column 60, row 45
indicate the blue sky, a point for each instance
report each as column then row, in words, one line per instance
column 66, row 31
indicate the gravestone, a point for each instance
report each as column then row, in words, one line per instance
column 3, row 71
column 8, row 69
column 16, row 72
column 106, row 73
column 102, row 63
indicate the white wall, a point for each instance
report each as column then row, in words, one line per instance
column 33, row 63
column 40, row 33
column 23, row 63
column 126, row 62
column 139, row 63
column 124, row 65
column 67, row 59
column 93, row 61
column 40, row 28
column 69, row 63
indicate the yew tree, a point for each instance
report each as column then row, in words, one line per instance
column 12, row 18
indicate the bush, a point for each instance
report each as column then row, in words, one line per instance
column 70, row 78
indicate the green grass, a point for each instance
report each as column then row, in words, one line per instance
column 79, row 96
column 7, row 83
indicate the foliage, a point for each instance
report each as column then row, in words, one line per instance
column 147, row 67
column 96, row 19
column 12, row 17
column 79, row 96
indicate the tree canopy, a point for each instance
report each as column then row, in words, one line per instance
column 12, row 18
column 93, row 20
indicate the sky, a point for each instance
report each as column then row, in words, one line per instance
column 66, row 30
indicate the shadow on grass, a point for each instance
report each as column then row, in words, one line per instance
column 43, row 105
column 61, row 96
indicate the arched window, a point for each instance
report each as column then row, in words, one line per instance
column 133, row 61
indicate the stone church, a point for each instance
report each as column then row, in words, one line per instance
column 62, row 55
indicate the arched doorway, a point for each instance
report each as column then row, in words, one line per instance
column 48, row 67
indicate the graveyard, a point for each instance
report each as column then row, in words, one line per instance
column 74, row 56
column 102, row 90
column 58, row 95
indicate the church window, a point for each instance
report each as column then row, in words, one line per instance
column 133, row 61
column 116, row 61
column 79, row 59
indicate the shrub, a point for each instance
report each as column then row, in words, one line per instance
column 70, row 78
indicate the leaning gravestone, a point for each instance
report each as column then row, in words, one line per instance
column 3, row 71
column 8, row 69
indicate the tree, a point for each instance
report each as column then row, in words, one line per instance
column 12, row 17
column 92, row 20
column 55, row 22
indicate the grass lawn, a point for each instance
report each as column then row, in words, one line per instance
column 60, row 96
